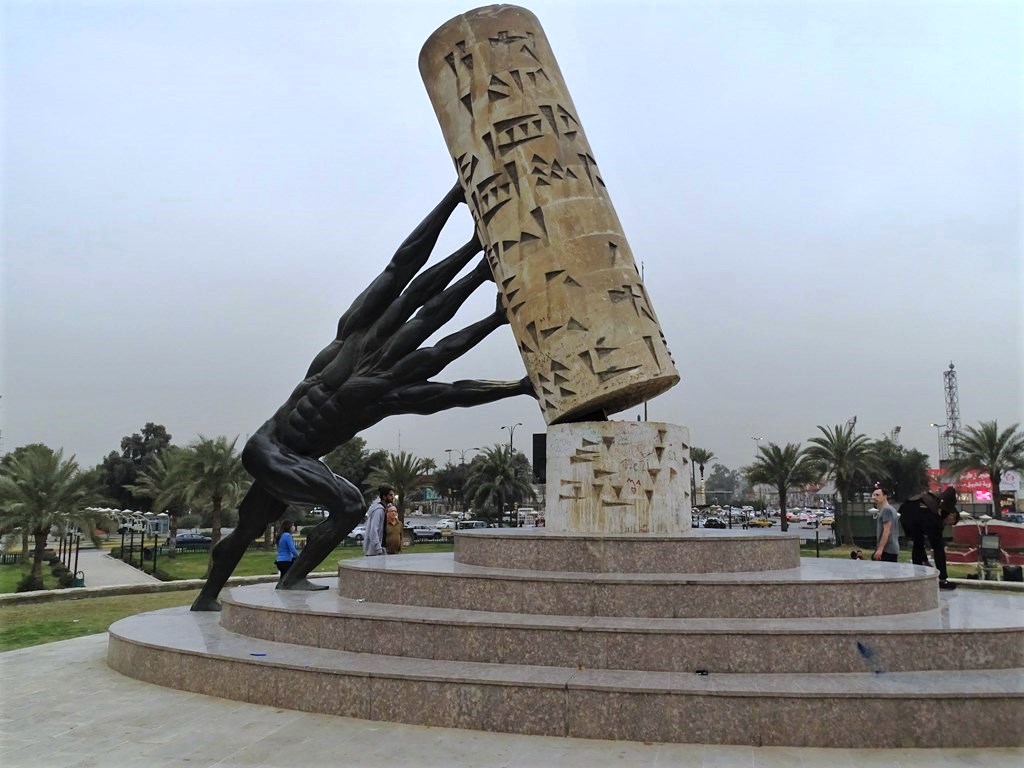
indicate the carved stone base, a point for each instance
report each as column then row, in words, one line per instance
column 618, row 477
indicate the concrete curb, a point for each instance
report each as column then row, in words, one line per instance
column 81, row 593
column 997, row 586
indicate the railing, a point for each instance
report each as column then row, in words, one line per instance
column 11, row 558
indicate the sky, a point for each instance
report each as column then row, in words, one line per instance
column 825, row 196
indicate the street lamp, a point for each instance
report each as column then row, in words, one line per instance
column 757, row 446
column 511, row 433
column 461, row 451
column 757, row 441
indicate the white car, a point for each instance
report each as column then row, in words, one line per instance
column 358, row 533
column 446, row 523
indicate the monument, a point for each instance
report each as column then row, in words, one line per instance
column 584, row 324
column 567, row 284
column 616, row 621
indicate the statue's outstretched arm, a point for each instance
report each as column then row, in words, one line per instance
column 424, row 287
column 434, row 314
column 430, row 397
column 368, row 307
column 411, row 255
column 425, row 363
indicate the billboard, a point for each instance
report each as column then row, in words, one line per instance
column 977, row 484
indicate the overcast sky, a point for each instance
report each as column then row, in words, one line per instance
column 826, row 197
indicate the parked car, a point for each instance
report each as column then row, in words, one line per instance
column 760, row 522
column 471, row 524
column 446, row 524
column 425, row 532
column 358, row 533
column 714, row 522
column 192, row 541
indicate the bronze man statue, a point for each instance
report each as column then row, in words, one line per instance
column 374, row 368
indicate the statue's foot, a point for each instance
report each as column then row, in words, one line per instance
column 302, row 585
column 206, row 604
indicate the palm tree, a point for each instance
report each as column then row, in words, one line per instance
column 986, row 449
column 402, row 471
column 40, row 490
column 847, row 459
column 700, row 457
column 495, row 475
column 164, row 480
column 782, row 468
column 213, row 472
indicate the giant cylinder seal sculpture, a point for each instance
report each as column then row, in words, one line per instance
column 583, row 322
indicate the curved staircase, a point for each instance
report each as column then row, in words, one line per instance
column 719, row 637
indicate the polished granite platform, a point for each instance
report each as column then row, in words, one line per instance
column 813, row 655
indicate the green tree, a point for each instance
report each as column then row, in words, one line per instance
column 164, row 481
column 903, row 472
column 214, row 474
column 354, row 462
column 496, row 476
column 699, row 457
column 449, row 482
column 724, row 482
column 39, row 491
column 120, row 470
column 402, row 471
column 847, row 458
column 985, row 449
column 782, row 468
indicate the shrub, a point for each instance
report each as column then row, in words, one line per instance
column 65, row 579
column 29, row 584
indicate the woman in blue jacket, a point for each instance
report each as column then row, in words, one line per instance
column 286, row 551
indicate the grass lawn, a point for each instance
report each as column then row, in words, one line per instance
column 25, row 625
column 10, row 575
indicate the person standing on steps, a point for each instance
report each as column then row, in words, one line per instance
column 886, row 527
column 924, row 518
column 286, row 551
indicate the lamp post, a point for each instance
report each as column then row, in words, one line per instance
column 757, row 446
column 461, row 451
column 511, row 434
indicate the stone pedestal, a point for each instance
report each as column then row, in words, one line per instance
column 618, row 477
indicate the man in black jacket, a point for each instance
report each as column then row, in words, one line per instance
column 923, row 518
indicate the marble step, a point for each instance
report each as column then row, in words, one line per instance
column 702, row 551
column 191, row 651
column 817, row 588
column 976, row 631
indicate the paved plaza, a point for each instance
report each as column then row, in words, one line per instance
column 62, row 707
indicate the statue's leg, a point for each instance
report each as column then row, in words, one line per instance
column 320, row 542
column 257, row 510
column 304, row 480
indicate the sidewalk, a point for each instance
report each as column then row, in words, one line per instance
column 102, row 570
column 62, row 707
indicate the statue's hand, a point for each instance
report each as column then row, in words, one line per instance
column 527, row 387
